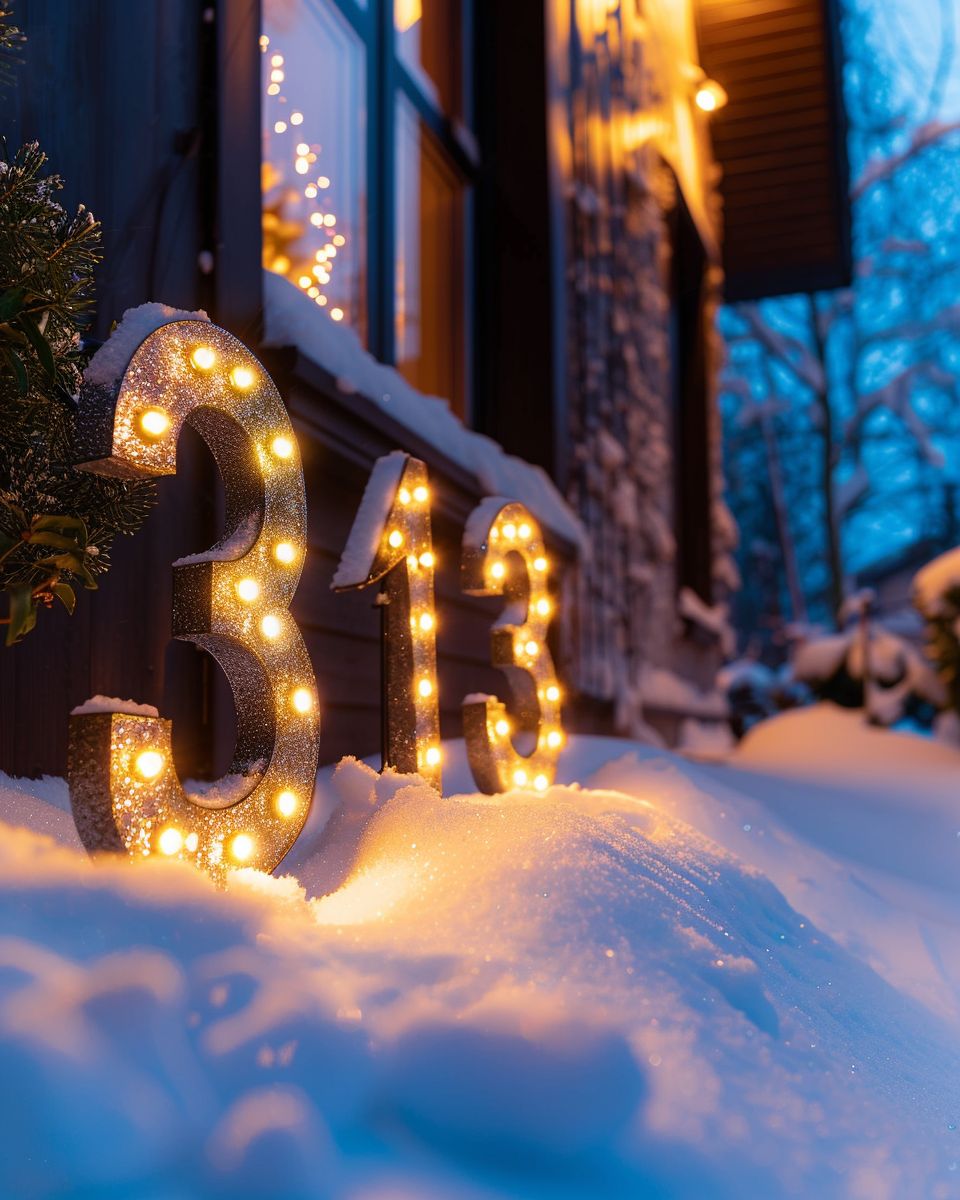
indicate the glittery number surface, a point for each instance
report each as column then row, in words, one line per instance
column 503, row 554
column 232, row 600
column 391, row 543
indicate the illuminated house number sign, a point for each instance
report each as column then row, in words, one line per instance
column 234, row 601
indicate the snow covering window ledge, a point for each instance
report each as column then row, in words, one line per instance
column 333, row 361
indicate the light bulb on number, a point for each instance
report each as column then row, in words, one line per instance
column 498, row 570
column 524, row 531
column 553, row 693
column 170, row 841
column 425, row 687
column 242, row 378
column 520, row 778
column 285, row 552
column 426, row 622
column 532, row 648
column 554, row 739
column 149, row 764
column 302, row 700
column 203, row 358
column 287, row 803
column 540, row 563
column 427, row 559
column 421, row 494
column 502, row 727
column 543, row 608
column 154, row 423
column 432, row 756
column 270, row 627
column 509, row 532
column 541, row 783
column 241, row 848
column 282, row 447
column 248, row 590
column 395, row 539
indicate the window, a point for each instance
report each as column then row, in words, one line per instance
column 367, row 174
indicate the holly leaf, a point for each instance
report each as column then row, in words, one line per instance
column 23, row 612
column 59, row 525
column 56, row 540
column 66, row 595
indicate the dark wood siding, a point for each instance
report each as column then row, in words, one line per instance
column 780, row 143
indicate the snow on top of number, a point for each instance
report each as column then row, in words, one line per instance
column 111, row 360
column 293, row 319
column 358, row 554
column 932, row 583
column 478, row 523
column 111, row 704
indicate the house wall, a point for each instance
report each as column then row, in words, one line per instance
column 626, row 146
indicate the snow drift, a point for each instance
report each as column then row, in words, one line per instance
column 580, row 993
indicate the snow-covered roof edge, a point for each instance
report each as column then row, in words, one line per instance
column 291, row 318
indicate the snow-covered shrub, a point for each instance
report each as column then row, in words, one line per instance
column 936, row 594
column 870, row 667
column 755, row 691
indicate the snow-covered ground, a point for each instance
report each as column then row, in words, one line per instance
column 668, row 979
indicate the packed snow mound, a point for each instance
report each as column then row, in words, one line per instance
column 826, row 739
column 575, row 994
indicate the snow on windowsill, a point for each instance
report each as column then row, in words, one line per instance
column 293, row 319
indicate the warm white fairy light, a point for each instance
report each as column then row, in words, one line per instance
column 503, row 555
column 291, row 153
column 125, row 791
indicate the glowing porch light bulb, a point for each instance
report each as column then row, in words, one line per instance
column 426, row 622
column 425, row 688
column 241, row 848
column 421, row 494
column 710, row 96
column 540, row 563
column 509, row 531
column 433, row 756
column 170, row 841
column 149, row 763
column 541, row 783
column 302, row 700
column 203, row 358
column 154, row 423
column 553, row 693
column 532, row 648
column 242, row 378
column 498, row 570
column 395, row 538
column 524, row 531
column 543, row 608
column 554, row 739
column 520, row 778
column 427, row 559
column 282, row 447
column 270, row 627
column 285, row 552
column 248, row 590
column 502, row 727
column 287, row 803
